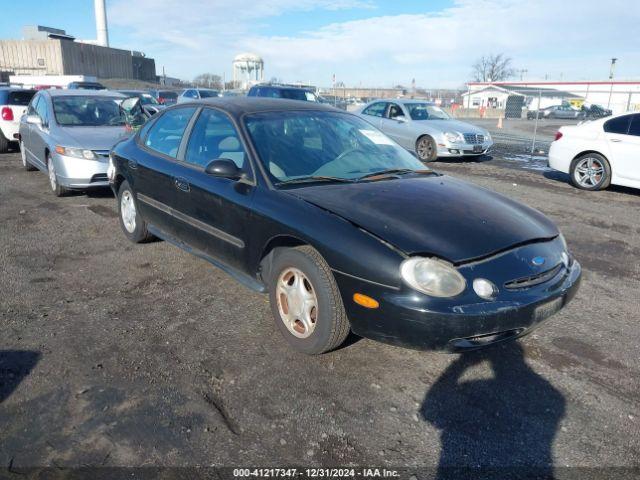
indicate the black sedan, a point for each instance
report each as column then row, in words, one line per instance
column 342, row 227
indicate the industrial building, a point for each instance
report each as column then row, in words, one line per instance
column 51, row 51
column 619, row 96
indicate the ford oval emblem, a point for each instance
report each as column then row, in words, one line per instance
column 538, row 261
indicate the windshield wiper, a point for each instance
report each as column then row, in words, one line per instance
column 391, row 171
column 314, row 178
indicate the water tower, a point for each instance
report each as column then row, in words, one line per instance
column 248, row 69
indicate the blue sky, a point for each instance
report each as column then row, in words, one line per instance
column 364, row 42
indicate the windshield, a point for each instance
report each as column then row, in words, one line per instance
column 21, row 98
column 87, row 111
column 294, row 145
column 424, row 111
column 146, row 99
column 208, row 93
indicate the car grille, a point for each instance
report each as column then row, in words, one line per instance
column 533, row 280
column 473, row 138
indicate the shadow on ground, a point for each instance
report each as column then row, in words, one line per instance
column 506, row 420
column 15, row 365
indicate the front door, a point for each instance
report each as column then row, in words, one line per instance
column 395, row 125
column 216, row 209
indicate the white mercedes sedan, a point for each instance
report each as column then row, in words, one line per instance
column 425, row 129
column 599, row 153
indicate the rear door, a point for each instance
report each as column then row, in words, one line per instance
column 215, row 211
column 39, row 134
column 623, row 137
column 156, row 172
column 374, row 114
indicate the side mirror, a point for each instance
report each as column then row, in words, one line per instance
column 223, row 167
column 34, row 120
column 401, row 119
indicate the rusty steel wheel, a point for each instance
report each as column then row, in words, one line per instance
column 297, row 302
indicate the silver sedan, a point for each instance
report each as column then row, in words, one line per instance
column 426, row 130
column 68, row 135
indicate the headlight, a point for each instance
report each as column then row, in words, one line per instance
column 432, row 276
column 76, row 152
column 564, row 243
column 487, row 137
column 453, row 137
column 111, row 169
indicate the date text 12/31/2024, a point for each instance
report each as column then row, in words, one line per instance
column 315, row 472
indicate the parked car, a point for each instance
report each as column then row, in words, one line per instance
column 282, row 91
column 425, row 129
column 191, row 94
column 150, row 105
column 599, row 153
column 68, row 134
column 596, row 111
column 558, row 111
column 165, row 97
column 86, row 86
column 13, row 104
column 342, row 227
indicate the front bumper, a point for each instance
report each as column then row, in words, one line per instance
column 409, row 319
column 79, row 173
column 463, row 149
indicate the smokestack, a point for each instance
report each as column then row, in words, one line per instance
column 101, row 23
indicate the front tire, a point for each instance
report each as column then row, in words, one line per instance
column 23, row 156
column 590, row 171
column 131, row 222
column 305, row 301
column 426, row 149
column 58, row 190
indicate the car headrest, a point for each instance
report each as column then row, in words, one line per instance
column 229, row 144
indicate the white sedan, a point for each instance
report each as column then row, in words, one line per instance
column 599, row 153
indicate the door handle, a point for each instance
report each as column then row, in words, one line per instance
column 181, row 184
column 616, row 140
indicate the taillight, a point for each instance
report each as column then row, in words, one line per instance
column 558, row 135
column 161, row 100
column 7, row 113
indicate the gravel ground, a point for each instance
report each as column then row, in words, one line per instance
column 120, row 354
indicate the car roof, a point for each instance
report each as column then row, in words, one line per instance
column 16, row 89
column 238, row 106
column 282, row 87
column 83, row 93
column 402, row 101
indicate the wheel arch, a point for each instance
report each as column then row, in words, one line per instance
column 585, row 152
column 266, row 256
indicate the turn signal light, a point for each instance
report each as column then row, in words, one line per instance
column 558, row 135
column 365, row 301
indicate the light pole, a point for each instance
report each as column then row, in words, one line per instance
column 612, row 68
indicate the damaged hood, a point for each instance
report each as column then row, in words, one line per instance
column 436, row 215
column 93, row 138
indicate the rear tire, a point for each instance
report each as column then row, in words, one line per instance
column 131, row 222
column 305, row 301
column 591, row 172
column 23, row 156
column 426, row 149
column 4, row 143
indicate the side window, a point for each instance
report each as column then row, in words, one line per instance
column 634, row 129
column 618, row 125
column 166, row 133
column 213, row 136
column 394, row 111
column 191, row 94
column 41, row 111
column 375, row 110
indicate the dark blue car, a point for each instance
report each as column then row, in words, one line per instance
column 344, row 229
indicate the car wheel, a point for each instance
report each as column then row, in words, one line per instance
column 305, row 301
column 4, row 143
column 23, row 156
column 58, row 190
column 132, row 223
column 590, row 171
column 427, row 149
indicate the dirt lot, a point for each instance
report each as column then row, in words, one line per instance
column 118, row 354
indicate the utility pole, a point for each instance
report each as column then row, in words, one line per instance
column 522, row 72
column 612, row 68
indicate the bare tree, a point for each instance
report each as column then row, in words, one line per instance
column 492, row 68
column 209, row 80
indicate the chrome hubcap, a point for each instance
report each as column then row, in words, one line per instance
column 52, row 175
column 589, row 172
column 128, row 211
column 425, row 149
column 297, row 302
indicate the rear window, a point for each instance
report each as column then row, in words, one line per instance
column 21, row 98
column 618, row 125
column 208, row 93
